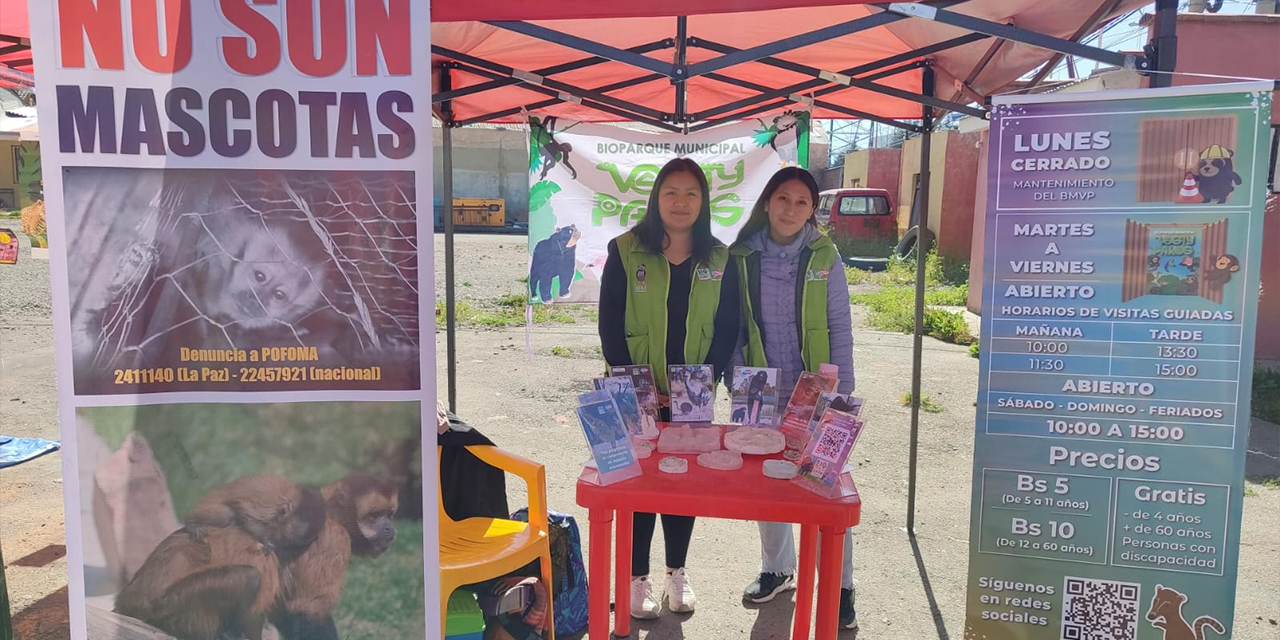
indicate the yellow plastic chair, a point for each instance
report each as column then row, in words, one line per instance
column 479, row 549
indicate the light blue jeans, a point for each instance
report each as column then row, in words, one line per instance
column 778, row 551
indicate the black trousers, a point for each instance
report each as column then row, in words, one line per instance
column 677, row 532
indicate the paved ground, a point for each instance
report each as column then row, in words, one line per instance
column 525, row 403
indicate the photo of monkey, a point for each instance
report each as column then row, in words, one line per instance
column 216, row 521
column 200, row 280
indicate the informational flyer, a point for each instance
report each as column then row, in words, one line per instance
column 1123, row 245
column 232, row 194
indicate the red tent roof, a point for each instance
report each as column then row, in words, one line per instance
column 458, row 26
column 737, row 23
column 16, row 35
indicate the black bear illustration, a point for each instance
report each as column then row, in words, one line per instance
column 554, row 258
column 1215, row 174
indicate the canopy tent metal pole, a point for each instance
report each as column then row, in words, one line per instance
column 534, row 106
column 824, row 77
column 451, row 321
column 546, row 71
column 1164, row 42
column 682, row 59
column 1085, row 29
column 922, row 249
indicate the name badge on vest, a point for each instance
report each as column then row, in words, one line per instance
column 640, row 286
column 816, row 274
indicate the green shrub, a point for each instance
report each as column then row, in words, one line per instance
column 865, row 248
column 893, row 309
column 562, row 352
column 974, row 350
column 926, row 403
column 1266, row 394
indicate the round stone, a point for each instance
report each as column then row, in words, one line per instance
column 721, row 460
column 780, row 469
column 672, row 464
column 759, row 441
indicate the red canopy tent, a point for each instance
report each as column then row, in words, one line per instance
column 685, row 66
column 15, row 45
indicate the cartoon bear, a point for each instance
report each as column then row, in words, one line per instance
column 555, row 257
column 1215, row 174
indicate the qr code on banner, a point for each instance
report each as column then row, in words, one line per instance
column 829, row 443
column 1099, row 610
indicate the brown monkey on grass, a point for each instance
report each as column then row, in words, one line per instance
column 359, row 512
column 223, row 582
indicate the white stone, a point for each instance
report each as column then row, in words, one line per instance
column 648, row 428
column 644, row 449
column 720, row 460
column 791, row 454
column 673, row 465
column 760, row 441
column 780, row 469
column 687, row 439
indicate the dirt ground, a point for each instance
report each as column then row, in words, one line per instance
column 524, row 403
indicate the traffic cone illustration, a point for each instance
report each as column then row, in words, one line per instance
column 1190, row 192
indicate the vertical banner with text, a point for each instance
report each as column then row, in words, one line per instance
column 1123, row 248
column 237, row 259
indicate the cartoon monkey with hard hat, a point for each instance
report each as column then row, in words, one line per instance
column 1215, row 176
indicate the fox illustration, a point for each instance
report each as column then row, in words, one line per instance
column 1166, row 613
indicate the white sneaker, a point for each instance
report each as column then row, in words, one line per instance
column 679, row 593
column 643, row 604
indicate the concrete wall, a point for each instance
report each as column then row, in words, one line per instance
column 8, row 177
column 1242, row 45
column 978, row 240
column 1268, row 337
column 955, row 223
column 1233, row 45
column 487, row 163
column 910, row 168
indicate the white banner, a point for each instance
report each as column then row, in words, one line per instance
column 235, row 244
column 589, row 183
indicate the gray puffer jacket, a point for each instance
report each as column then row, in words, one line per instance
column 779, row 268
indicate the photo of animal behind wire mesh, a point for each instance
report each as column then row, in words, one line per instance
column 242, row 280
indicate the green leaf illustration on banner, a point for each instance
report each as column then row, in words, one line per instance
column 540, row 193
column 802, row 128
column 542, row 217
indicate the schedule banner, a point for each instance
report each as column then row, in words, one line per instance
column 232, row 193
column 1124, row 238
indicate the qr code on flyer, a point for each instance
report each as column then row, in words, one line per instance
column 829, row 443
column 1099, row 610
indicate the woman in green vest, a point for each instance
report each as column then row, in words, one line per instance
column 668, row 295
column 796, row 318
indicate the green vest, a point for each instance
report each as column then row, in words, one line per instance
column 816, row 261
column 648, row 281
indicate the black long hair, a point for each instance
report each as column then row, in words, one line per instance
column 650, row 232
column 759, row 213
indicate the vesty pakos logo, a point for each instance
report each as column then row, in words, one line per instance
column 640, row 285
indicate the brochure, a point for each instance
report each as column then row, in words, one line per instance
column 646, row 393
column 622, row 391
column 755, row 396
column 800, row 410
column 823, row 460
column 692, row 392
column 607, row 437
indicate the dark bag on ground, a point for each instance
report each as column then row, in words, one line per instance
column 568, row 573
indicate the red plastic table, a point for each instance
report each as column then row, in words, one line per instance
column 743, row 494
